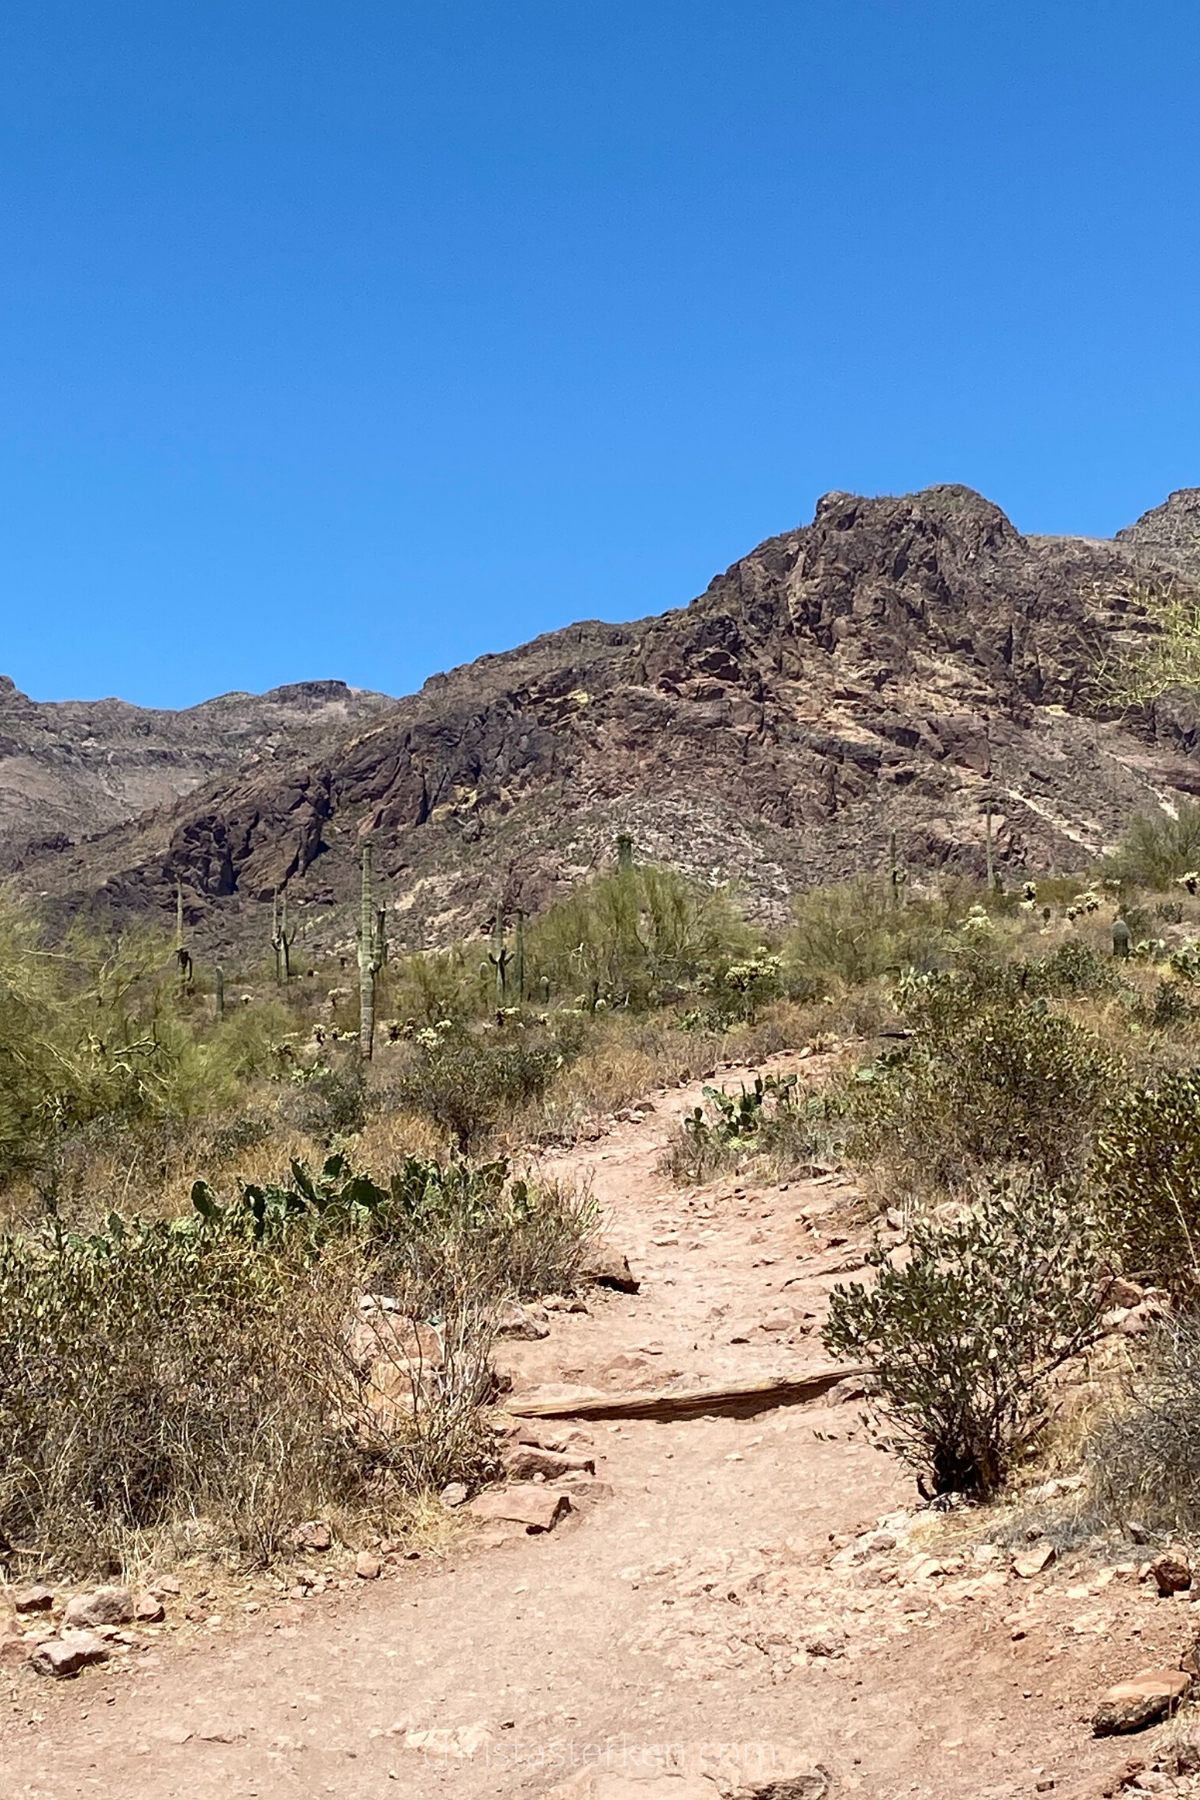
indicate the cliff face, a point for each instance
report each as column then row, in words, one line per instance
column 896, row 666
column 70, row 769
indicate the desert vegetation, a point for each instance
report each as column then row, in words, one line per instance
column 253, row 1250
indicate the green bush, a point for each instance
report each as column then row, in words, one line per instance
column 1145, row 1456
column 963, row 1336
column 641, row 937
column 856, row 933
column 775, row 1121
column 468, row 1084
column 1157, row 850
column 981, row 1085
column 1145, row 1175
column 154, row 1374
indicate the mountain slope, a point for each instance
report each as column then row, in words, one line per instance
column 70, row 769
column 897, row 666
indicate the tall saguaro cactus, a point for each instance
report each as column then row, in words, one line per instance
column 281, row 939
column 372, row 954
column 183, row 955
column 519, row 959
column 500, row 956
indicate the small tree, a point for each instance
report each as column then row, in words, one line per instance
column 965, row 1335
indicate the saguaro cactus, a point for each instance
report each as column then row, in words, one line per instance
column 372, row 954
column 500, row 956
column 183, row 955
column 519, row 959
column 281, row 938
column 220, row 992
column 624, row 851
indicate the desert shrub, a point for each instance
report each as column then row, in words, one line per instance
column 854, row 933
column 639, row 937
column 963, row 1337
column 152, row 1376
column 981, row 1084
column 155, row 1373
column 1145, row 1174
column 434, row 1229
column 467, row 1084
column 330, row 1100
column 94, row 1028
column 1157, row 850
column 1145, row 1455
column 1072, row 968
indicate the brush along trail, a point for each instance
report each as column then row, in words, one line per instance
column 742, row 1600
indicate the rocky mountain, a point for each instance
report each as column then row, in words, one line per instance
column 898, row 666
column 70, row 769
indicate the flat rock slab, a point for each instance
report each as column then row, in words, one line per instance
column 737, row 1399
column 66, row 1656
column 535, row 1507
column 1139, row 1701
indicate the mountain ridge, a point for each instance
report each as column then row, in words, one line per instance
column 899, row 665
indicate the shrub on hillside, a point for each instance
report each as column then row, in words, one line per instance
column 1146, row 1178
column 981, row 1084
column 964, row 1336
column 855, row 933
column 642, row 937
column 1157, row 850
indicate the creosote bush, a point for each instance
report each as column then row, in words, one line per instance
column 981, row 1084
column 1145, row 1176
column 469, row 1084
column 964, row 1336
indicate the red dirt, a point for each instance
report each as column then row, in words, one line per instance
column 673, row 1614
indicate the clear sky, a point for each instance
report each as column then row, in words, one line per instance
column 357, row 337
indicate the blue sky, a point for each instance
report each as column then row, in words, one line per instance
column 358, row 338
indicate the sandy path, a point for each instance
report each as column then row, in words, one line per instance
column 674, row 1613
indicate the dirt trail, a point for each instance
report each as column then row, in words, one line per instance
column 702, row 1602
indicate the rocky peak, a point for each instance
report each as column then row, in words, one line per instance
column 1168, row 534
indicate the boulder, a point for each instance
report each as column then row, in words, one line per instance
column 148, row 1609
column 605, row 1266
column 1139, row 1701
column 536, row 1508
column 314, row 1534
column 367, row 1566
column 33, row 1599
column 454, row 1494
column 103, row 1606
column 517, row 1321
column 1033, row 1562
column 1172, row 1571
column 67, row 1655
column 524, row 1461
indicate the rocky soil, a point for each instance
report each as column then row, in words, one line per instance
column 744, row 1602
column 896, row 666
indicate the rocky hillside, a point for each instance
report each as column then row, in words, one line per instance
column 897, row 666
column 70, row 769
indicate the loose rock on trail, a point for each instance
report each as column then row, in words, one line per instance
column 665, row 1603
